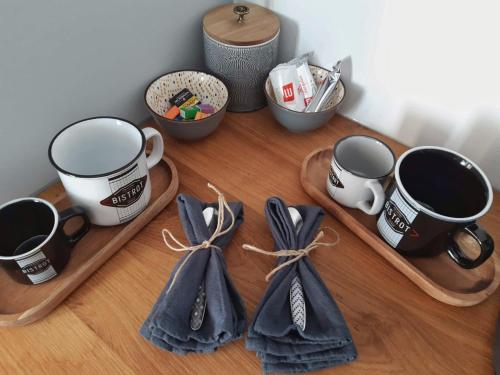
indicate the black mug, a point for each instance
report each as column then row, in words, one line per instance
column 435, row 194
column 34, row 246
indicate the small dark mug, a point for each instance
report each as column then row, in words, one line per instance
column 34, row 247
column 436, row 193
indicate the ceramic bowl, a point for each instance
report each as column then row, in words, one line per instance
column 299, row 122
column 206, row 87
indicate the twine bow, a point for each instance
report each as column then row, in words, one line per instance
column 296, row 254
column 207, row 244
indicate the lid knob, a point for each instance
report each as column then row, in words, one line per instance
column 241, row 11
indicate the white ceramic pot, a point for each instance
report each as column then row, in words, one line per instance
column 102, row 164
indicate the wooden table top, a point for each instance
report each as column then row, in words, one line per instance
column 397, row 328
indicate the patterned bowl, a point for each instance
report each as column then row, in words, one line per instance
column 206, row 87
column 299, row 122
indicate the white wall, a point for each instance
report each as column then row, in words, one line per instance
column 423, row 72
column 63, row 61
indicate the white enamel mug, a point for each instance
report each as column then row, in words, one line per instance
column 103, row 166
column 358, row 170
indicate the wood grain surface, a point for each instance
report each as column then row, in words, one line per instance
column 397, row 328
column 259, row 26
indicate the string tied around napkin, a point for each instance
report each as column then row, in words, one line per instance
column 296, row 254
column 207, row 244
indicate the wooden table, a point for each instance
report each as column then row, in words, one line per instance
column 397, row 328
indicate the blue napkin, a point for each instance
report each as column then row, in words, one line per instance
column 279, row 342
column 168, row 325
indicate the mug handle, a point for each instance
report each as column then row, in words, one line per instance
column 157, row 151
column 482, row 238
column 70, row 213
column 378, row 198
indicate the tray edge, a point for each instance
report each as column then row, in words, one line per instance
column 431, row 288
column 87, row 270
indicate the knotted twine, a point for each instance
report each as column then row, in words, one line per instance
column 207, row 244
column 296, row 254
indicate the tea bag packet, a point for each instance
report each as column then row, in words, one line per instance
column 306, row 78
column 286, row 87
column 293, row 83
column 297, row 326
column 199, row 309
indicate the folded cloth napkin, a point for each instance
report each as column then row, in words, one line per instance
column 297, row 326
column 199, row 309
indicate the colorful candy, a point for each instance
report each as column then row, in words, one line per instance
column 181, row 97
column 187, row 106
column 200, row 115
column 206, row 108
column 172, row 113
column 184, row 99
column 189, row 113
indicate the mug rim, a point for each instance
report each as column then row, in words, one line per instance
column 433, row 214
column 357, row 174
column 49, row 236
column 104, row 174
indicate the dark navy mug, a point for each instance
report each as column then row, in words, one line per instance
column 34, row 247
column 435, row 194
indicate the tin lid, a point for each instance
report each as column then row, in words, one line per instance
column 241, row 24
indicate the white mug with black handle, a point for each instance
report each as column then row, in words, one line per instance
column 358, row 170
column 104, row 168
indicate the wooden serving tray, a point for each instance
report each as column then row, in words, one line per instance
column 22, row 304
column 438, row 276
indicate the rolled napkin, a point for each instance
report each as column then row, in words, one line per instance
column 199, row 309
column 297, row 326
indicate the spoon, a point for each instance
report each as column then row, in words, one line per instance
column 200, row 303
column 296, row 219
column 297, row 301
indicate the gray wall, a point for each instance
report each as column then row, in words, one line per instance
column 63, row 61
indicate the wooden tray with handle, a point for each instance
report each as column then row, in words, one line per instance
column 21, row 304
column 438, row 276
